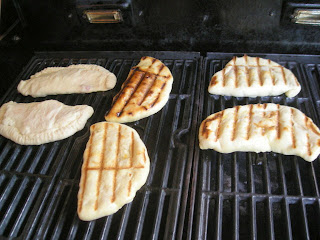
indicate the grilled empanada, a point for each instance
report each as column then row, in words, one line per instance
column 41, row 122
column 82, row 78
column 116, row 165
column 261, row 128
column 145, row 92
column 253, row 76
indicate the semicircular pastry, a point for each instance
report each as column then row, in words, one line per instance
column 41, row 122
column 253, row 76
column 261, row 128
column 145, row 92
column 116, row 165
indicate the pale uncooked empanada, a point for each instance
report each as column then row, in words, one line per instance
column 82, row 78
column 41, row 122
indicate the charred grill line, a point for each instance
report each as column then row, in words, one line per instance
column 101, row 167
column 259, row 71
column 308, row 145
column 272, row 76
column 114, row 183
column 235, row 69
column 223, row 77
column 85, row 169
column 278, row 122
column 132, row 92
column 131, row 162
column 124, row 85
column 292, row 129
column 283, row 75
column 249, row 123
column 246, row 70
column 157, row 98
column 235, row 123
column 218, row 127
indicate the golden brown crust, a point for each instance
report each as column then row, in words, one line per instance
column 145, row 92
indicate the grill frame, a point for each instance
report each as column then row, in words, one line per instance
column 220, row 201
column 160, row 205
column 189, row 205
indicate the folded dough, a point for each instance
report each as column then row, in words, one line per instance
column 41, row 122
column 261, row 128
column 145, row 92
column 251, row 77
column 116, row 165
column 82, row 78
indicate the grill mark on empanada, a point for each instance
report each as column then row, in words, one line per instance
column 311, row 126
column 278, row 127
column 115, row 168
column 131, row 162
column 223, row 77
column 218, row 128
column 259, row 71
column 293, row 136
column 234, row 128
column 283, row 75
column 124, row 85
column 157, row 98
column 154, row 76
column 235, row 69
column 249, row 123
column 272, row 76
column 138, row 82
column 86, row 168
column 246, row 74
column 114, row 184
column 308, row 145
column 270, row 72
column 101, row 167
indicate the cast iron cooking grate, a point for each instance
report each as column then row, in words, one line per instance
column 39, row 184
column 257, row 196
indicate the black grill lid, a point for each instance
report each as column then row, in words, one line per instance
column 257, row 196
column 39, row 184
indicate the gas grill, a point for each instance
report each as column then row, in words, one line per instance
column 190, row 193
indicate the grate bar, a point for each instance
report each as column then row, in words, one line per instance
column 124, row 221
column 288, row 219
column 26, row 206
column 236, row 218
column 313, row 173
column 304, row 220
column 106, row 227
column 298, row 176
column 218, row 220
column 270, row 222
column 12, row 206
column 253, row 224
